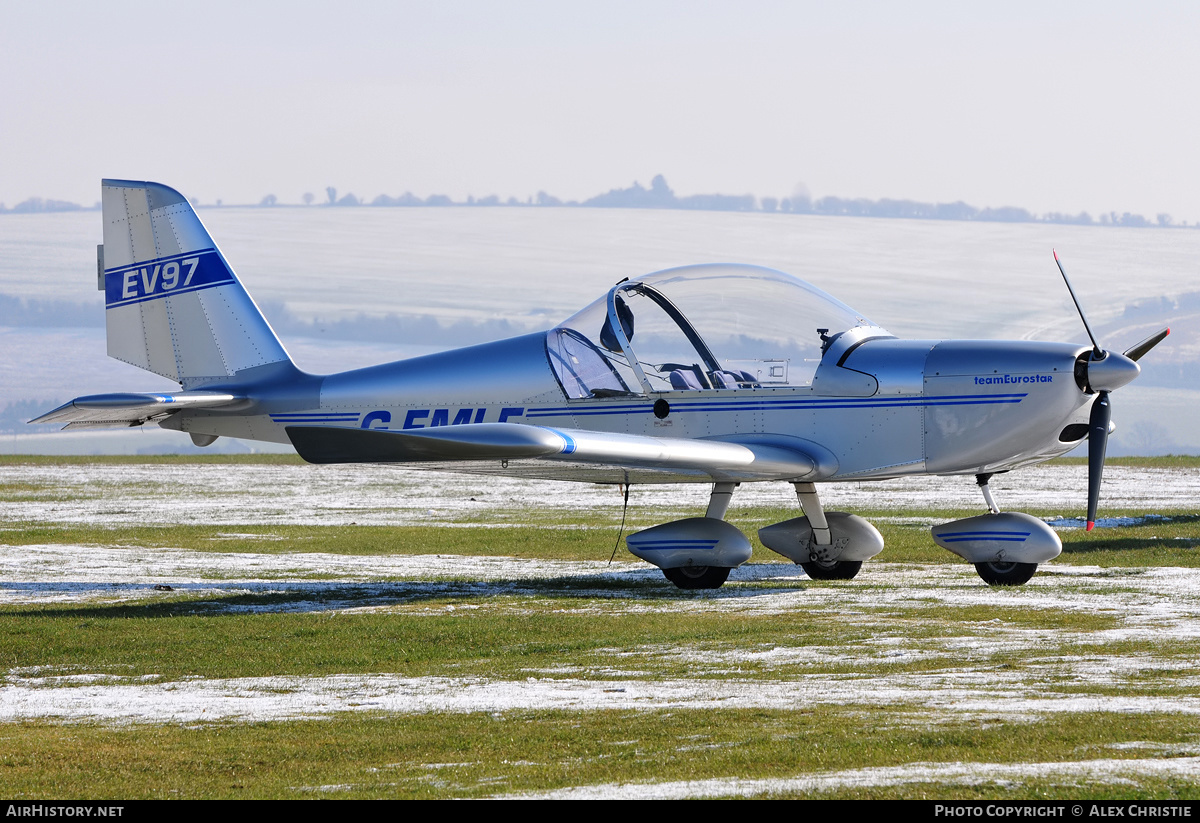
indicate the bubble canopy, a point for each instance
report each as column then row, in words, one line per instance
column 713, row 326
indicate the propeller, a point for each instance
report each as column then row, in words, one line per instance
column 1097, row 445
column 1103, row 372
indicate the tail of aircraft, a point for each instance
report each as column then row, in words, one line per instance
column 173, row 305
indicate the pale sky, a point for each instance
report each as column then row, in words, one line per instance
column 1050, row 106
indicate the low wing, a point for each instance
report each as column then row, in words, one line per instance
column 130, row 409
column 587, row 455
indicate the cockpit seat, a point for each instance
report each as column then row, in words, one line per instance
column 730, row 379
column 685, row 379
column 695, row 379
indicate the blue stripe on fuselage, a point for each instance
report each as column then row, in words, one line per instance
column 781, row 404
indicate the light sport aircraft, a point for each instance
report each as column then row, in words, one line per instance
column 718, row 374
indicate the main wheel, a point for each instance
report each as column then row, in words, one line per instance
column 1006, row 574
column 697, row 577
column 832, row 570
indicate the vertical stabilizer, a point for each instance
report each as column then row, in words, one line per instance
column 173, row 305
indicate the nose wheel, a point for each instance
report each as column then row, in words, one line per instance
column 999, row 544
column 1006, row 574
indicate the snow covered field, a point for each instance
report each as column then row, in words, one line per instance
column 1165, row 602
column 386, row 495
column 957, row 678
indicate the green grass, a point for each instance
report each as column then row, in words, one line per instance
column 504, row 636
column 480, row 755
column 1172, row 537
column 1166, row 461
column 555, row 627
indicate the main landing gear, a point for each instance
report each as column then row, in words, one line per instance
column 827, row 545
column 697, row 577
column 697, row 552
column 832, row 570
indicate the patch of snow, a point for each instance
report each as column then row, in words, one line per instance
column 966, row 774
column 386, row 495
column 293, row 698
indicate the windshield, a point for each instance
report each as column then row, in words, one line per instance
column 698, row 327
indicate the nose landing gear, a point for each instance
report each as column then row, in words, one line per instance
column 1005, row 547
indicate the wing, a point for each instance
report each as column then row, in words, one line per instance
column 131, row 409
column 576, row 454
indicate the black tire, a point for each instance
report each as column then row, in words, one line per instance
column 833, row 570
column 1006, row 574
column 697, row 577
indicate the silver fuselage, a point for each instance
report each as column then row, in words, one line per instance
column 881, row 407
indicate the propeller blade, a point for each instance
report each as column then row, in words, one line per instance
column 1096, row 346
column 1146, row 345
column 1097, row 445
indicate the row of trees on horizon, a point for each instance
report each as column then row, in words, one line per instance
column 660, row 196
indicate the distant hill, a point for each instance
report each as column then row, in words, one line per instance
column 660, row 196
column 35, row 205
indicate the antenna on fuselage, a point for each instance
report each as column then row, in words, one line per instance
column 624, row 510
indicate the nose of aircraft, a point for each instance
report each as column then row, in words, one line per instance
column 1110, row 372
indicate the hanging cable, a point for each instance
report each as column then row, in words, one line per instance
column 624, row 509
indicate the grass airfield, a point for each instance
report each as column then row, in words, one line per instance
column 255, row 627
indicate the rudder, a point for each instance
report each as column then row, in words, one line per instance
column 173, row 304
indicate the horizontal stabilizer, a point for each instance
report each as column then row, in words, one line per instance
column 130, row 409
column 743, row 460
